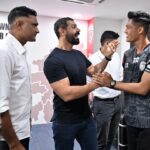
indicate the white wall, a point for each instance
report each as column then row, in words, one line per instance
column 124, row 45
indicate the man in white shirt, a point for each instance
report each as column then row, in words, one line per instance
column 106, row 103
column 15, row 86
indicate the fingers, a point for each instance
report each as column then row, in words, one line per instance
column 111, row 48
column 100, row 70
column 113, row 45
column 107, row 74
column 96, row 78
column 102, row 79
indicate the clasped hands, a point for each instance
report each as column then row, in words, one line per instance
column 102, row 79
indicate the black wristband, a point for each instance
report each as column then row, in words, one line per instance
column 107, row 58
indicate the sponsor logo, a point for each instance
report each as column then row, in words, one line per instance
column 142, row 65
column 126, row 65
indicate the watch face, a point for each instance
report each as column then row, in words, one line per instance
column 113, row 82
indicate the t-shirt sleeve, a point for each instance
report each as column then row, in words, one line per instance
column 88, row 63
column 147, row 68
column 54, row 70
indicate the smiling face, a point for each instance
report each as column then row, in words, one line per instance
column 132, row 31
column 72, row 32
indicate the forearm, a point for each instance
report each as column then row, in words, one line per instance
column 135, row 88
column 8, row 131
column 74, row 92
column 100, row 67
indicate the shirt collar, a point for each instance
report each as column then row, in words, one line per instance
column 18, row 47
column 100, row 54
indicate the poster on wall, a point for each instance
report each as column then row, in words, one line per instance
column 4, row 27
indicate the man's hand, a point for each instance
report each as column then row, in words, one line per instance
column 95, row 79
column 111, row 48
column 18, row 146
column 8, row 132
column 102, row 79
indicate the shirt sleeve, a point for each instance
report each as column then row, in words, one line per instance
column 5, row 77
column 147, row 68
column 54, row 70
column 88, row 62
column 116, row 69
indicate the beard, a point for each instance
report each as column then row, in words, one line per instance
column 72, row 39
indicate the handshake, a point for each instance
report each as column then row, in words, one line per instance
column 103, row 80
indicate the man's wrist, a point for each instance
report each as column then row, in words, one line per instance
column 107, row 58
column 14, row 144
column 112, row 83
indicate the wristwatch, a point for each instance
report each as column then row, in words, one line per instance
column 112, row 83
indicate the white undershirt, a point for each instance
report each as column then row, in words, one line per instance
column 113, row 68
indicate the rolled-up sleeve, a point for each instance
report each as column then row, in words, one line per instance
column 5, row 79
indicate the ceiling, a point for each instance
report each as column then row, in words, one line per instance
column 115, row 9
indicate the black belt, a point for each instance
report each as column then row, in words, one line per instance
column 106, row 99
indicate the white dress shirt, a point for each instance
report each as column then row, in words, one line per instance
column 113, row 68
column 15, row 85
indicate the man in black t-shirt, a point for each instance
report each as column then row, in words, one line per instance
column 66, row 70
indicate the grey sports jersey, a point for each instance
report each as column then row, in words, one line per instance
column 137, row 107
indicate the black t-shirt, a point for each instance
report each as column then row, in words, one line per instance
column 72, row 64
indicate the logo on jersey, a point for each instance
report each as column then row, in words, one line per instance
column 126, row 65
column 136, row 60
column 142, row 65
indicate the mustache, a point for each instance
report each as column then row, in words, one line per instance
column 78, row 33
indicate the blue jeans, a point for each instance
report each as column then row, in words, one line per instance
column 107, row 114
column 84, row 132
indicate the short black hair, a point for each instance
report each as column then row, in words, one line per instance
column 108, row 35
column 21, row 11
column 140, row 18
column 61, row 23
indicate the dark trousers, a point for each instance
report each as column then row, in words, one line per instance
column 84, row 132
column 24, row 142
column 138, row 138
column 107, row 113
